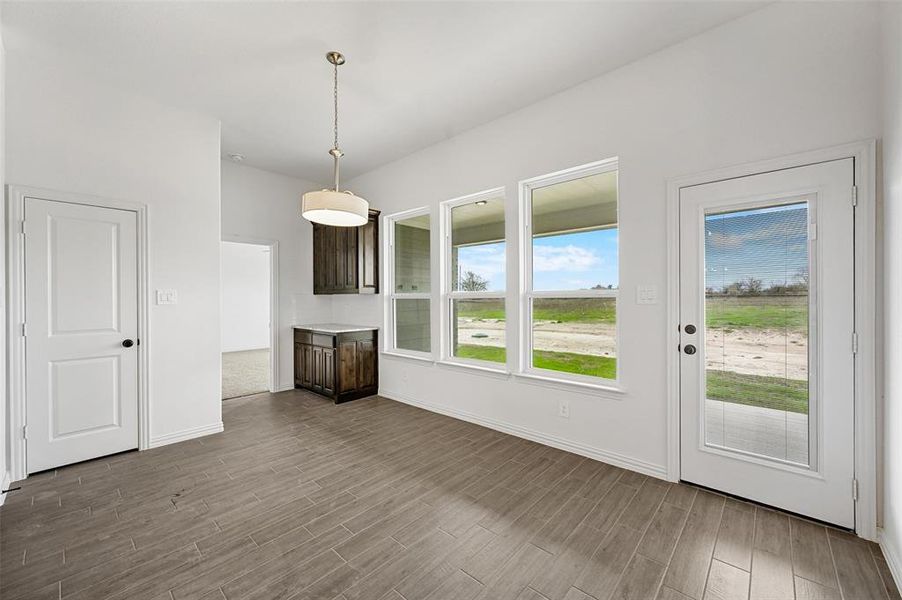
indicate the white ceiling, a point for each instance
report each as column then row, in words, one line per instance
column 417, row 73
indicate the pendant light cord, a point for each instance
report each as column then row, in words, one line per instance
column 335, row 151
column 335, row 106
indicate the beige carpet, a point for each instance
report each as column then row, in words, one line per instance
column 245, row 373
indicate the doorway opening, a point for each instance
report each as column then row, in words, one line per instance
column 246, row 296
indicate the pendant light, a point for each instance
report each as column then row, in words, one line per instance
column 334, row 207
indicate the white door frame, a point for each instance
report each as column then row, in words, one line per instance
column 275, row 384
column 15, row 212
column 864, row 153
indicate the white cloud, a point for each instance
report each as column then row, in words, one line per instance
column 564, row 258
column 487, row 262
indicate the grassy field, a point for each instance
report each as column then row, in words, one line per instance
column 757, row 312
column 755, row 390
column 569, row 310
column 567, row 362
column 748, row 312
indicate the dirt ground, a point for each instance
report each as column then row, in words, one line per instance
column 749, row 351
column 758, row 352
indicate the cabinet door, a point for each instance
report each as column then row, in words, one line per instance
column 366, row 364
column 328, row 370
column 319, row 251
column 368, row 255
column 350, row 259
column 317, row 383
column 347, row 366
column 341, row 265
column 328, row 259
column 306, row 365
column 298, row 364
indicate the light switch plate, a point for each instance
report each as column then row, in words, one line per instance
column 646, row 294
column 167, row 297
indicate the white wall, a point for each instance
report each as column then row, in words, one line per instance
column 785, row 79
column 4, row 452
column 258, row 205
column 892, row 284
column 245, row 283
column 69, row 132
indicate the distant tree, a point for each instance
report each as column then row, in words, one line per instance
column 751, row 286
column 471, row 282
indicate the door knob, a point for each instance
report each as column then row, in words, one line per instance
column 127, row 343
column 690, row 329
column 689, row 349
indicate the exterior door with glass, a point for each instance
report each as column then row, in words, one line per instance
column 767, row 338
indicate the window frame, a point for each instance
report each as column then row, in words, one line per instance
column 527, row 295
column 389, row 340
column 448, row 295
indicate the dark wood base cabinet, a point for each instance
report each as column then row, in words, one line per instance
column 341, row 365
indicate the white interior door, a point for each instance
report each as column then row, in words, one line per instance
column 767, row 325
column 81, row 332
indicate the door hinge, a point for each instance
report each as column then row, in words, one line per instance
column 24, row 330
column 854, row 195
column 855, row 490
column 854, row 342
column 25, row 432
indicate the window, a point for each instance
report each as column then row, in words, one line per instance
column 409, row 285
column 474, row 279
column 571, row 274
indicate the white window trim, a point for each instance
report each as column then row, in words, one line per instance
column 527, row 294
column 448, row 295
column 389, row 345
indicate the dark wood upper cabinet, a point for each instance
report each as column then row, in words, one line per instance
column 346, row 259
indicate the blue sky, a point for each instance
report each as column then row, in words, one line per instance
column 768, row 244
column 560, row 262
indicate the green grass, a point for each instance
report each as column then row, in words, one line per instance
column 758, row 312
column 567, row 362
column 565, row 310
column 489, row 353
column 749, row 312
column 755, row 390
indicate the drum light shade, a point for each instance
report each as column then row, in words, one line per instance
column 339, row 209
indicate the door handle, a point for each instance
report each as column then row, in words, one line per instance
column 689, row 349
column 127, row 343
column 690, row 329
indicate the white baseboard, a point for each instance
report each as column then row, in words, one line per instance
column 606, row 456
column 185, row 434
column 4, row 485
column 891, row 553
column 284, row 387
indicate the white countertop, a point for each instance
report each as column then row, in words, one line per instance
column 335, row 327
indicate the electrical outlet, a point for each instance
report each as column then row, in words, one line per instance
column 563, row 409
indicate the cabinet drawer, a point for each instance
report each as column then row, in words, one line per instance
column 324, row 340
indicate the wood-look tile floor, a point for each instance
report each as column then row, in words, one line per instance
column 376, row 500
